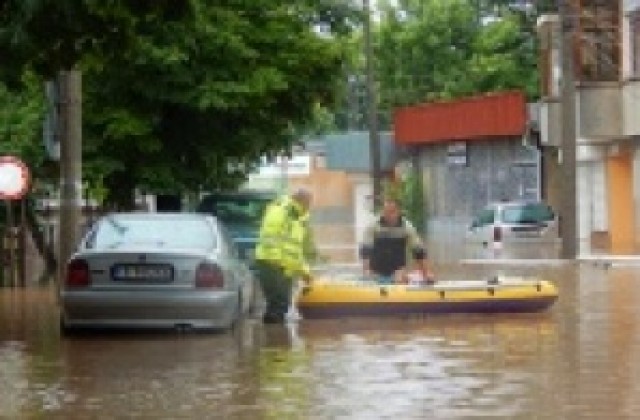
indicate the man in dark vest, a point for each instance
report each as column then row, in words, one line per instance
column 392, row 249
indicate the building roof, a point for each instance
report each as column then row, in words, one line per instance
column 486, row 116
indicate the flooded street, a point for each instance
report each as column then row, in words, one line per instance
column 578, row 360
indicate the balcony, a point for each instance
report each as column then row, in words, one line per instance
column 630, row 107
column 598, row 111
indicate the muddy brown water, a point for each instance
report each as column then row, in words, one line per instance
column 580, row 359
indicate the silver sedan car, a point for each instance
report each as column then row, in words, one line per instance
column 515, row 221
column 156, row 270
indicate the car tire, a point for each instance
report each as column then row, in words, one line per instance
column 237, row 315
column 65, row 330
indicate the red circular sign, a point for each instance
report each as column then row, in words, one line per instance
column 14, row 178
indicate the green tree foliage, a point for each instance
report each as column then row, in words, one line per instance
column 424, row 50
column 51, row 35
column 182, row 94
column 435, row 49
column 413, row 199
column 408, row 190
column 21, row 122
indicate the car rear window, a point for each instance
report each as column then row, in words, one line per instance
column 527, row 213
column 161, row 233
column 486, row 217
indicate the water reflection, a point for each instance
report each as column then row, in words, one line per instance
column 438, row 367
column 144, row 376
column 441, row 250
column 13, row 379
column 284, row 374
column 577, row 360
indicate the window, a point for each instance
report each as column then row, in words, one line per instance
column 486, row 217
column 634, row 43
column 178, row 233
column 527, row 213
column 236, row 209
column 599, row 40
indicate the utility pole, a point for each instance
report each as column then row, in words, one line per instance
column 568, row 220
column 372, row 106
column 70, row 88
column 22, row 244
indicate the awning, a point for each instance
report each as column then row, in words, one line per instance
column 487, row 116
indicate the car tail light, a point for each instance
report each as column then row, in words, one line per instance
column 497, row 234
column 209, row 275
column 77, row 273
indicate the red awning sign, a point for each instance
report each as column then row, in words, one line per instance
column 14, row 178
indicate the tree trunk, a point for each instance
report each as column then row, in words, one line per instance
column 121, row 193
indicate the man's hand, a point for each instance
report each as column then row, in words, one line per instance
column 306, row 279
column 427, row 273
column 366, row 269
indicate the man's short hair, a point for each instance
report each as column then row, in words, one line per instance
column 302, row 193
column 391, row 200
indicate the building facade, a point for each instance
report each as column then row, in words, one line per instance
column 337, row 169
column 470, row 152
column 605, row 42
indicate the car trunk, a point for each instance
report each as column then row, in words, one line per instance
column 143, row 270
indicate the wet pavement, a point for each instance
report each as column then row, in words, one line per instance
column 578, row 360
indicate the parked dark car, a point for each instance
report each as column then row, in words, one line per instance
column 241, row 212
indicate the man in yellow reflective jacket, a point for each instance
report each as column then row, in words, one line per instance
column 280, row 254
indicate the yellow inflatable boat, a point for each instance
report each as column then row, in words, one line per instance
column 331, row 298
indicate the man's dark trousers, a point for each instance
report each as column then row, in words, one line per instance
column 276, row 287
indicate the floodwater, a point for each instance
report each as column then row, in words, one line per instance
column 578, row 360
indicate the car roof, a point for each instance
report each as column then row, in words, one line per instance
column 141, row 215
column 518, row 203
column 244, row 195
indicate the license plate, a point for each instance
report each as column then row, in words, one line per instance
column 142, row 272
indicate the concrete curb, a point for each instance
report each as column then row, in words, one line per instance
column 597, row 260
column 517, row 262
column 611, row 260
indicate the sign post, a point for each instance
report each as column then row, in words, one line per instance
column 14, row 178
column 14, row 183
